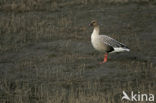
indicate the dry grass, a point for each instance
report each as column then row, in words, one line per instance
column 56, row 85
column 45, row 57
column 52, row 5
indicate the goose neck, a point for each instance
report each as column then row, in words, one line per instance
column 96, row 30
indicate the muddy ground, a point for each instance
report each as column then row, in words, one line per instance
column 46, row 55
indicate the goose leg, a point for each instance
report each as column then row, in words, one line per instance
column 105, row 58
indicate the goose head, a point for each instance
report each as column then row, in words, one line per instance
column 93, row 23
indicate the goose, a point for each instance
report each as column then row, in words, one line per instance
column 104, row 43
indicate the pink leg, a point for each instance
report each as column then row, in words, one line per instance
column 105, row 58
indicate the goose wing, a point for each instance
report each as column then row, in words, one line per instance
column 112, row 42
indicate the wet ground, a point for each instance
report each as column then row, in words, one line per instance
column 46, row 55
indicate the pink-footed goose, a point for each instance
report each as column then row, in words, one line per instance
column 104, row 43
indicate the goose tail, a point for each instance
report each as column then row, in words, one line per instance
column 120, row 49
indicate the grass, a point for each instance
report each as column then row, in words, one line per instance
column 46, row 55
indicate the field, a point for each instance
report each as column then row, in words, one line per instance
column 46, row 55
